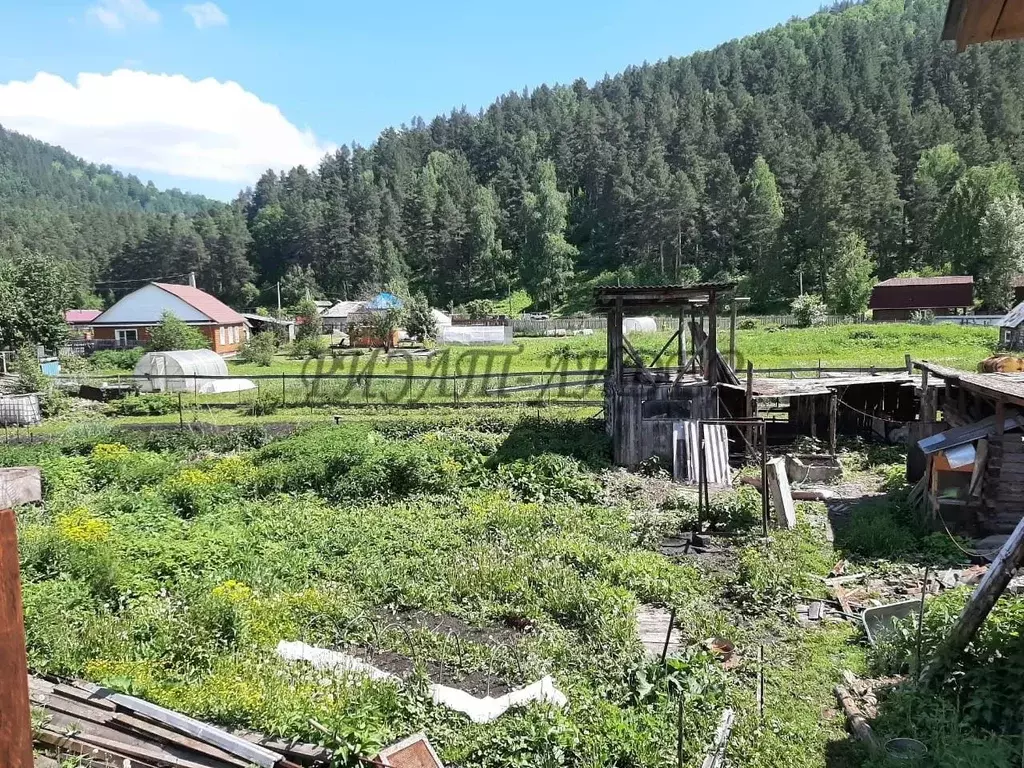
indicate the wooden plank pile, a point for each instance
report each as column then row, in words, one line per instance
column 112, row 729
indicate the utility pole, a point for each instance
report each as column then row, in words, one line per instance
column 192, row 279
column 801, row 271
column 279, row 298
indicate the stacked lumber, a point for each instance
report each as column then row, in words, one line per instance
column 115, row 730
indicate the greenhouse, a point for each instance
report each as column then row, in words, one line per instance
column 199, row 371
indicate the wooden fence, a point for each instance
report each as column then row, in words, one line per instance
column 524, row 327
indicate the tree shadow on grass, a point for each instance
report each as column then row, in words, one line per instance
column 584, row 441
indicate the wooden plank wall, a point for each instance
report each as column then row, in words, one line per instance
column 15, row 718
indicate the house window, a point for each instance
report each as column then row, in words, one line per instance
column 222, row 335
column 126, row 336
column 234, row 334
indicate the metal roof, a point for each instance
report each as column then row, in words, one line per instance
column 212, row 307
column 654, row 296
column 944, row 280
column 1013, row 318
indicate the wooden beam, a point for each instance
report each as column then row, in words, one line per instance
column 15, row 715
column 637, row 359
column 664, row 349
column 833, row 414
column 711, row 343
column 732, row 333
column 682, row 337
column 979, row 606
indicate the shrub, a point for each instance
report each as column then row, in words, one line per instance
column 173, row 333
column 259, row 349
column 53, row 402
column 143, row 405
column 264, row 404
column 312, row 347
column 117, row 359
column 747, row 324
column 312, row 325
column 30, row 376
column 419, row 319
column 549, row 477
column 190, row 491
column 809, row 310
column 479, row 308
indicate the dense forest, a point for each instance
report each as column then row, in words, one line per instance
column 847, row 147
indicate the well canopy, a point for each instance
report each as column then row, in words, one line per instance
column 188, row 370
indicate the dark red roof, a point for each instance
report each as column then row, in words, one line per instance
column 923, row 293
column 81, row 316
column 212, row 307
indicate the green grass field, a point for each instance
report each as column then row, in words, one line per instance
column 836, row 346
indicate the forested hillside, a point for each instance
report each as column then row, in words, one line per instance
column 106, row 226
column 850, row 144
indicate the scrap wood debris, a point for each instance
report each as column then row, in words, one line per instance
column 478, row 709
column 113, row 730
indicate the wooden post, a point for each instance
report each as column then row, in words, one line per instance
column 682, row 338
column 750, row 407
column 711, row 345
column 833, row 412
column 615, row 342
column 981, row 602
column 732, row 333
column 15, row 715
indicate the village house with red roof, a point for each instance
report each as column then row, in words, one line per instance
column 128, row 322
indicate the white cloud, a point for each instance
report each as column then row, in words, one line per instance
column 118, row 14
column 160, row 123
column 206, row 15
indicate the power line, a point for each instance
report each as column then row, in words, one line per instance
column 141, row 279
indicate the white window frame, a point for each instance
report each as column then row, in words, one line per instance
column 221, row 336
column 121, row 336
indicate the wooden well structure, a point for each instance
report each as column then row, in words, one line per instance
column 643, row 400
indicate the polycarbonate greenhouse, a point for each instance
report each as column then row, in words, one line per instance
column 199, row 371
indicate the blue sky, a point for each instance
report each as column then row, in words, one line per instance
column 338, row 71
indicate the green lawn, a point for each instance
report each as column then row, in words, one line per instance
column 558, row 358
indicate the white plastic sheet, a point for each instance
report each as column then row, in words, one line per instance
column 479, row 710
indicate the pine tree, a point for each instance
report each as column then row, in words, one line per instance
column 1001, row 238
column 758, row 237
column 547, row 259
column 849, row 276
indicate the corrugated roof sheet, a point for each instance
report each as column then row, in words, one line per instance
column 212, row 307
column 1013, row 318
column 908, row 281
column 81, row 316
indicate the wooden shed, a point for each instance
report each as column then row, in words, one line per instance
column 1011, row 329
column 896, row 299
column 973, row 479
column 645, row 402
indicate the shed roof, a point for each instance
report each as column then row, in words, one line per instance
column 981, row 21
column 923, row 292
column 657, row 296
column 1013, row 318
column 1008, row 387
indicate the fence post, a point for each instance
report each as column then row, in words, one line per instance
column 16, row 722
